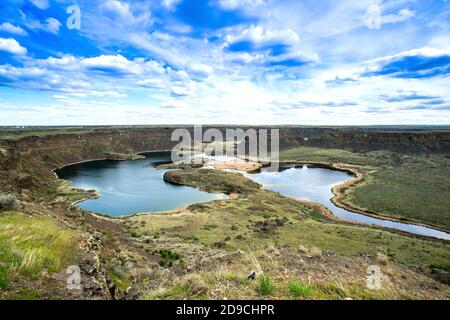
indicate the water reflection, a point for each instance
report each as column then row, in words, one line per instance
column 128, row 187
column 316, row 184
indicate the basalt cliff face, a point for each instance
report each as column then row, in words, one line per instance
column 362, row 140
column 27, row 162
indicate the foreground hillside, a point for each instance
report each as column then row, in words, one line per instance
column 208, row 250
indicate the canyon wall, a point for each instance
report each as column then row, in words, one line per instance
column 28, row 161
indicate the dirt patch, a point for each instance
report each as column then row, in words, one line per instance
column 238, row 166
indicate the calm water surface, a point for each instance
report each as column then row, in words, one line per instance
column 128, row 187
column 315, row 184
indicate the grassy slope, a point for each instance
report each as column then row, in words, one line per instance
column 212, row 223
column 264, row 220
column 401, row 186
column 28, row 245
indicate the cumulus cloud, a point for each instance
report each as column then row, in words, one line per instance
column 114, row 64
column 82, row 77
column 10, row 28
column 267, row 47
column 260, row 37
column 11, row 45
column 417, row 63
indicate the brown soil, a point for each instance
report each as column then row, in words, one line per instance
column 238, row 165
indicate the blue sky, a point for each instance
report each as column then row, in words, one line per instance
column 329, row 62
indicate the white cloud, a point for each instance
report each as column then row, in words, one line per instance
column 95, row 93
column 70, row 76
column 12, row 46
column 118, row 7
column 41, row 4
column 170, row 4
column 402, row 15
column 183, row 90
column 51, row 25
column 375, row 18
column 137, row 13
column 376, row 64
column 200, row 69
column 110, row 63
column 8, row 27
column 260, row 36
column 234, row 4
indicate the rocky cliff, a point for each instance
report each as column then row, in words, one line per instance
column 27, row 161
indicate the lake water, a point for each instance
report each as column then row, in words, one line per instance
column 315, row 184
column 128, row 187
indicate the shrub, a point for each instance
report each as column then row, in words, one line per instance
column 194, row 284
column 382, row 258
column 7, row 201
column 298, row 289
column 163, row 262
column 266, row 286
column 315, row 252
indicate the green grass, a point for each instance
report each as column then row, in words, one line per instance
column 24, row 294
column 417, row 191
column 329, row 155
column 66, row 192
column 298, row 289
column 30, row 244
column 411, row 187
column 266, row 286
column 121, row 279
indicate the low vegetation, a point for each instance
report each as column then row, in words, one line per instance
column 29, row 245
column 301, row 252
column 286, row 273
column 298, row 289
column 266, row 286
column 7, row 202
